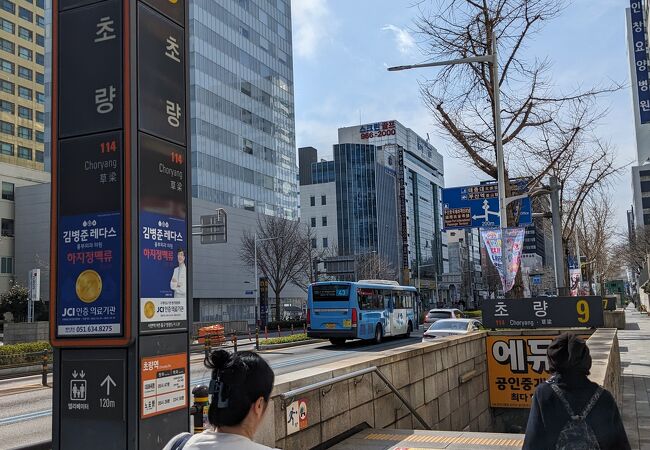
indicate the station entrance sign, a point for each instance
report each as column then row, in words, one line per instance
column 120, row 247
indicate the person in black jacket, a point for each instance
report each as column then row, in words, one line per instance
column 569, row 363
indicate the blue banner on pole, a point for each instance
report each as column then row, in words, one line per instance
column 640, row 59
column 478, row 207
column 89, row 275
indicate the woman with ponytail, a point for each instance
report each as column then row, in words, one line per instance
column 240, row 388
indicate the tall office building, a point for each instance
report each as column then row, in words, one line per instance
column 22, row 83
column 242, row 118
column 386, row 182
column 418, row 169
column 22, row 116
column 242, row 141
column 637, row 35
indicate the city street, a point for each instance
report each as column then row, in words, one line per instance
column 26, row 407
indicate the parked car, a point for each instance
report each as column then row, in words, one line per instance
column 435, row 315
column 451, row 327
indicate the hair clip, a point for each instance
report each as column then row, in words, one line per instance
column 216, row 389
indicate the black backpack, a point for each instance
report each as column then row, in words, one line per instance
column 577, row 434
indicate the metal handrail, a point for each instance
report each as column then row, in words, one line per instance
column 289, row 395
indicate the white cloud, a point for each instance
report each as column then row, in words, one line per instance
column 403, row 38
column 312, row 23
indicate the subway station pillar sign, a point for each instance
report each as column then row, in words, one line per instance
column 120, row 246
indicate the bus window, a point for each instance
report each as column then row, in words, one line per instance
column 388, row 300
column 330, row 292
column 370, row 299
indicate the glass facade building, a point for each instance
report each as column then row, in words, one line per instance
column 420, row 178
column 242, row 117
column 366, row 203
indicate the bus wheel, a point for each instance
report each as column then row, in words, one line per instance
column 409, row 330
column 337, row 341
column 378, row 335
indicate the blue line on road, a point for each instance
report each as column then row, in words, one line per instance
column 27, row 416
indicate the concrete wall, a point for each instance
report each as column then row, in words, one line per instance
column 446, row 381
column 606, row 362
column 427, row 375
column 615, row 319
column 15, row 333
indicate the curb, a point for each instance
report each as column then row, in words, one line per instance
column 290, row 344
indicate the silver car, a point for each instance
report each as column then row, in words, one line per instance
column 451, row 327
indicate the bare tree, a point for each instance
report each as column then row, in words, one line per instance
column 547, row 132
column 596, row 232
column 371, row 266
column 283, row 252
column 307, row 274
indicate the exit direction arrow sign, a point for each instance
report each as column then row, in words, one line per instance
column 108, row 381
column 93, row 389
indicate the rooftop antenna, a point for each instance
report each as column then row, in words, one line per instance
column 428, row 138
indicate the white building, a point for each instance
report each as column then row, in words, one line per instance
column 14, row 177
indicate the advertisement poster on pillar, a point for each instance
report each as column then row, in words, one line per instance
column 89, row 229
column 163, row 237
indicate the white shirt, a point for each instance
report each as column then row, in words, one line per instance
column 180, row 275
column 213, row 440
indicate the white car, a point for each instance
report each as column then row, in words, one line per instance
column 435, row 315
column 451, row 327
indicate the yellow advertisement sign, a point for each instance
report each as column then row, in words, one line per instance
column 516, row 365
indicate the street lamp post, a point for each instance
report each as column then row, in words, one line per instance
column 257, row 285
column 492, row 59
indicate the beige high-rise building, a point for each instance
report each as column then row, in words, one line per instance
column 22, row 82
column 22, row 114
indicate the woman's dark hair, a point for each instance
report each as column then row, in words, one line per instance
column 569, row 355
column 238, row 380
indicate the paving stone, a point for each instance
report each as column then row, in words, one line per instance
column 636, row 379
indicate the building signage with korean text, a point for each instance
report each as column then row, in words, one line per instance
column 164, row 384
column 543, row 312
column 640, row 59
column 376, row 130
column 516, row 365
column 478, row 207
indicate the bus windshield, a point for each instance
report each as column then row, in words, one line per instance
column 330, row 292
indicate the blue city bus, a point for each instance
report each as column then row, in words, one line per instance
column 366, row 309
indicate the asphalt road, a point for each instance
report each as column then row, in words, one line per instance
column 26, row 407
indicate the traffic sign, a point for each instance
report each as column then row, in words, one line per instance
column 478, row 207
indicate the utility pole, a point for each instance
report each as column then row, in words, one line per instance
column 558, row 250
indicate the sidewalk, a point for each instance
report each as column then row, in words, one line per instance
column 635, row 362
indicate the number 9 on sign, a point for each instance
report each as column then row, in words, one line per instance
column 582, row 307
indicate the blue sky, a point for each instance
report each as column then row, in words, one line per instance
column 342, row 49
